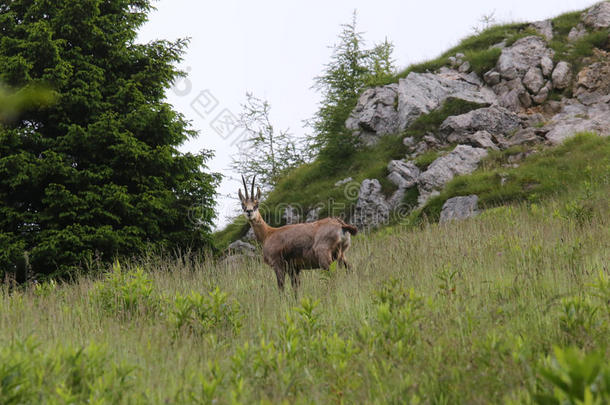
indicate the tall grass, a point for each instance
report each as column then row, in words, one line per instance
column 489, row 310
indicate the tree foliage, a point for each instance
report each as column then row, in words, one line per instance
column 266, row 152
column 98, row 173
column 351, row 69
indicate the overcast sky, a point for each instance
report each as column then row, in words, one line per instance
column 275, row 49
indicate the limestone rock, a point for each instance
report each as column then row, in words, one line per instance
column 403, row 174
column 562, row 75
column 250, row 236
column 525, row 136
column 459, row 208
column 510, row 93
column 375, row 114
column 598, row 16
column 241, row 247
column 543, row 94
column 463, row 159
column 577, row 32
column 421, row 93
column 494, row 119
column 545, row 28
column 492, row 77
column 593, row 81
column 372, row 210
column 464, row 67
column 576, row 117
column 524, row 54
column 546, row 64
column 533, row 80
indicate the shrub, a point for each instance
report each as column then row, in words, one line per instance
column 573, row 377
column 199, row 314
column 63, row 375
column 125, row 293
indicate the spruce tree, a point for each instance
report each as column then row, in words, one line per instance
column 98, row 173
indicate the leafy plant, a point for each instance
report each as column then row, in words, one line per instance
column 125, row 293
column 575, row 378
column 199, row 314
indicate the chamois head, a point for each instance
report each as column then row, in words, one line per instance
column 249, row 203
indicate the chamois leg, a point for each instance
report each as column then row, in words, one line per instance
column 280, row 274
column 295, row 281
column 325, row 257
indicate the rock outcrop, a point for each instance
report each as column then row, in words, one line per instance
column 391, row 109
column 459, row 208
column 372, row 209
column 462, row 160
column 403, row 175
column 576, row 117
column 494, row 120
column 421, row 93
column 375, row 114
column 522, row 75
column 598, row 16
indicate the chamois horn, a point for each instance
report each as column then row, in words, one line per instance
column 245, row 186
column 252, row 190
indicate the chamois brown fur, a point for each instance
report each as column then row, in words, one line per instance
column 292, row 248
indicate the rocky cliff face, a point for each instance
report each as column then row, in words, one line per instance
column 531, row 96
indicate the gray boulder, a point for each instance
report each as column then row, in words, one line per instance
column 593, row 82
column 524, row 54
column 492, row 77
column 562, row 75
column 598, row 16
column 462, row 160
column 512, row 94
column 250, row 236
column 533, row 79
column 480, row 139
column 527, row 136
column 494, row 120
column 544, row 28
column 546, row 64
column 421, row 93
column 372, row 210
column 240, row 247
column 403, row 174
column 375, row 114
column 459, row 208
column 576, row 117
column 577, row 32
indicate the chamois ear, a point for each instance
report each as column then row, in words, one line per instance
column 258, row 193
column 241, row 196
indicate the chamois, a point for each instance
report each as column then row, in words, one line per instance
column 292, row 248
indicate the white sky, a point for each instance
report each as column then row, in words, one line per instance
column 275, row 49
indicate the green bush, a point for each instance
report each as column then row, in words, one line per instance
column 125, row 293
column 199, row 314
column 64, row 375
column 573, row 377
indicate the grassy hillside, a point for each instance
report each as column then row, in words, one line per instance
column 468, row 312
column 310, row 185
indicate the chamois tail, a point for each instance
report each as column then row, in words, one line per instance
column 347, row 227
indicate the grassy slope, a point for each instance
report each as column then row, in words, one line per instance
column 462, row 313
column 308, row 186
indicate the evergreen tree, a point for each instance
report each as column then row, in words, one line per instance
column 98, row 173
column 266, row 152
column 351, row 69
